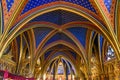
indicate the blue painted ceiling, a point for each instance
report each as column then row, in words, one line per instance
column 40, row 33
column 59, row 36
column 47, row 54
column 9, row 4
column 80, row 34
column 59, row 17
column 108, row 4
column 84, row 3
column 73, row 54
column 35, row 3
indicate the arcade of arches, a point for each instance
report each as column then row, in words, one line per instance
column 60, row 39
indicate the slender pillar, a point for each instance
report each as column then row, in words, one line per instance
column 77, row 78
column 54, row 73
column 117, row 76
column 106, row 77
column 89, row 77
column 66, row 73
column 71, row 76
column 111, row 76
column 102, row 77
column 98, row 77
column 41, row 78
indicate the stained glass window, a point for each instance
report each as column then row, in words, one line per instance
column 110, row 53
column 60, row 69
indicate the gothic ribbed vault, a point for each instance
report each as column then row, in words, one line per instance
column 60, row 39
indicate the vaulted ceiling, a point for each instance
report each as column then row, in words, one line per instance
column 49, row 32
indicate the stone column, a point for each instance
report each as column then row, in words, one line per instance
column 117, row 74
column 54, row 73
column 106, row 77
column 117, row 77
column 53, row 76
column 66, row 73
column 77, row 78
column 89, row 77
column 41, row 78
column 111, row 76
column 102, row 77
column 71, row 76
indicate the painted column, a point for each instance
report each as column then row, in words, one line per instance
column 77, row 78
column 106, row 77
column 71, row 76
column 66, row 73
column 102, row 77
column 89, row 77
column 54, row 72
